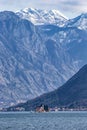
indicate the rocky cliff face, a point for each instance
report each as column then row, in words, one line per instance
column 37, row 59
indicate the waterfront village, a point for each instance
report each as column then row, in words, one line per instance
column 45, row 108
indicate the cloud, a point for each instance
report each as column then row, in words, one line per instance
column 74, row 7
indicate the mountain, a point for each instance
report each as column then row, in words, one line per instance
column 27, row 56
column 73, row 94
column 80, row 22
column 40, row 17
column 37, row 59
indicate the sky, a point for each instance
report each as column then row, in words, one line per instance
column 70, row 8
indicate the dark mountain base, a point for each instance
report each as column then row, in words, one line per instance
column 72, row 95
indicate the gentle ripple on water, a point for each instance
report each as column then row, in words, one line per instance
column 43, row 121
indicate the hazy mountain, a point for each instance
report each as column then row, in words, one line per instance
column 37, row 59
column 72, row 94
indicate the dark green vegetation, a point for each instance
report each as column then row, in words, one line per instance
column 72, row 94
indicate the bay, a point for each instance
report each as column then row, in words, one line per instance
column 61, row 120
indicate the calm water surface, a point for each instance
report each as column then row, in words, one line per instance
column 43, row 121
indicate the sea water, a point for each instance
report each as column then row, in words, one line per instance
column 43, row 121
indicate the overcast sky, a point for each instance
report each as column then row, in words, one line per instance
column 70, row 8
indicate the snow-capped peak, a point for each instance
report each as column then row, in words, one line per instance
column 79, row 22
column 57, row 12
column 39, row 17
